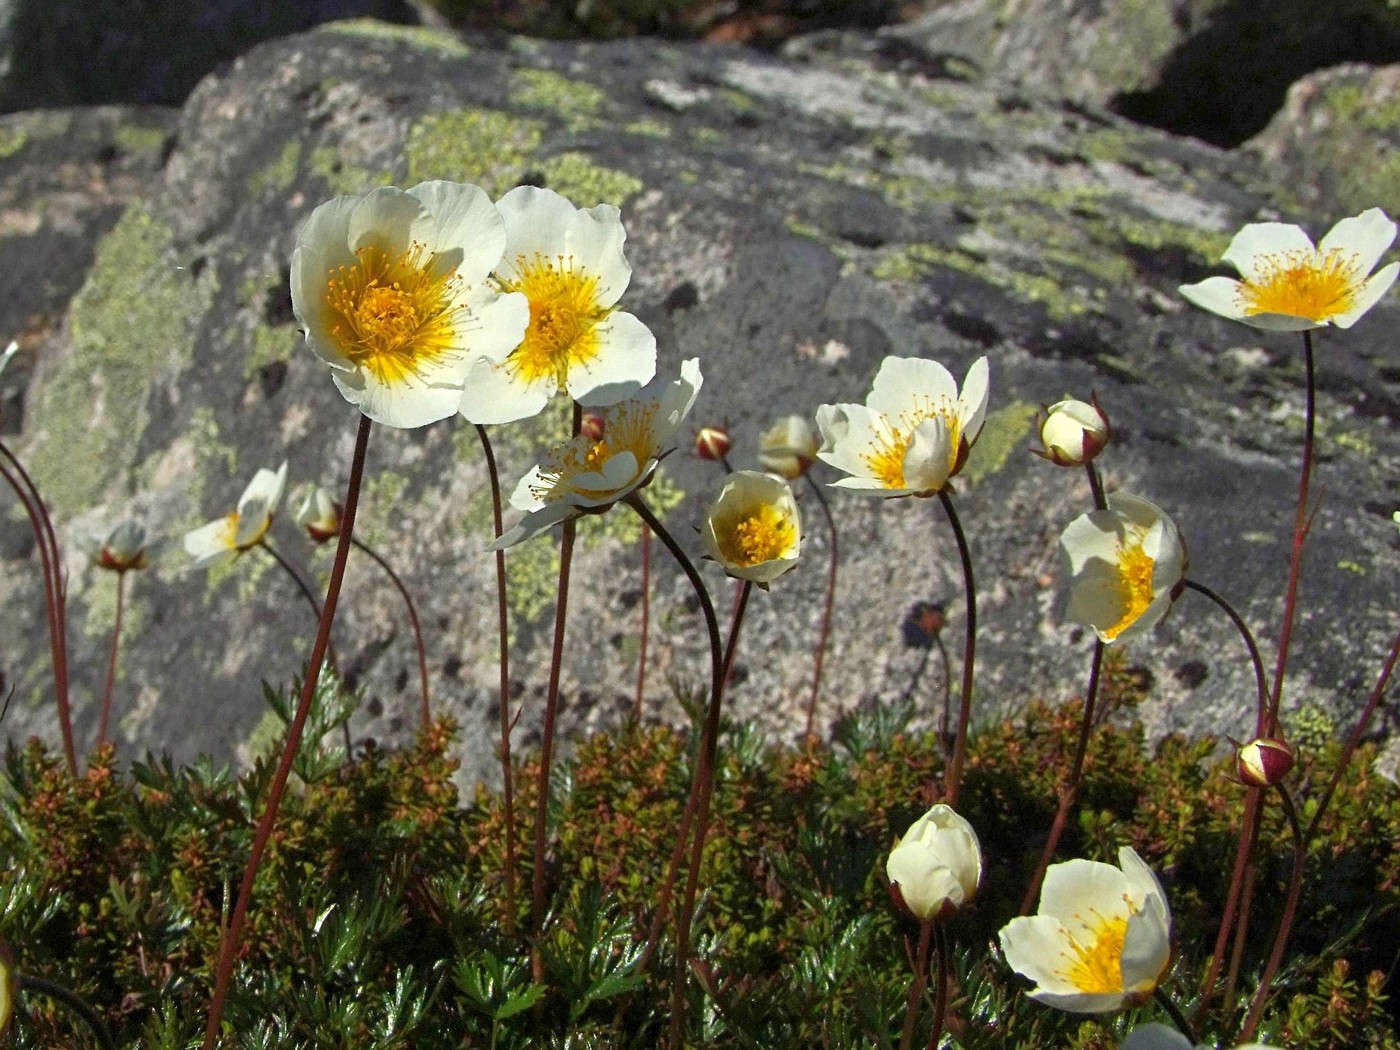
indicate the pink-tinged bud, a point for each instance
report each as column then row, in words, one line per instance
column 592, row 426
column 1264, row 762
column 319, row 515
column 1073, row 432
column 712, row 443
column 125, row 549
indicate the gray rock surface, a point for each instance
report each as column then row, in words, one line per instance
column 791, row 222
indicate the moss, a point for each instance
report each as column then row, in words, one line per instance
column 576, row 102
column 133, row 138
column 586, row 183
column 1003, row 434
column 279, row 175
column 341, row 177
column 482, row 146
column 134, row 317
column 418, row 36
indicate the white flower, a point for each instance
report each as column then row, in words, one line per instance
column 568, row 264
column 591, row 473
column 935, row 868
column 788, row 448
column 1288, row 285
column 1157, row 1036
column 1126, row 567
column 319, row 514
column 1074, row 432
column 1101, row 937
column 391, row 289
column 229, row 536
column 753, row 528
column 912, row 434
column 124, row 549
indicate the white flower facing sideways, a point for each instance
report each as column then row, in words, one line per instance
column 568, row 264
column 590, row 473
column 912, row 434
column 1288, row 285
column 391, row 289
column 1157, row 1036
column 788, row 448
column 227, row 537
column 1100, row 939
column 753, row 529
column 1126, row 565
column 935, row 868
column 124, row 549
column 319, row 514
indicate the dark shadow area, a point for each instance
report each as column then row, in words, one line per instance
column 1228, row 79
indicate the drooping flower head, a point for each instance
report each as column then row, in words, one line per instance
column 568, row 264
column 124, row 549
column 935, row 868
column 391, row 289
column 912, row 434
column 319, row 514
column 243, row 529
column 753, row 528
column 1073, row 432
column 1100, row 939
column 788, row 448
column 587, row 474
column 1126, row 565
column 1288, row 285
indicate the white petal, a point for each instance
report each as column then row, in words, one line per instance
column 1033, row 946
column 904, row 383
column 386, row 218
column 975, row 394
column 1255, row 243
column 929, row 456
column 492, row 394
column 533, row 524
column 465, row 221
column 401, row 405
column 1146, row 948
column 1219, row 295
column 1077, row 891
column 1079, row 1002
column 848, row 433
column 210, row 544
column 1376, row 286
column 1155, row 1036
column 1367, row 237
column 626, row 362
column 322, row 247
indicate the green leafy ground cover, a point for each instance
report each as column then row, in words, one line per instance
column 379, row 921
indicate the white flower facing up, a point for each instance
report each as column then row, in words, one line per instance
column 124, row 549
column 753, row 528
column 319, row 514
column 1158, row 1036
column 391, row 289
column 568, row 264
column 935, row 868
column 1100, row 939
column 227, row 537
column 588, row 473
column 912, row 434
column 788, row 448
column 1288, row 285
column 1126, row 566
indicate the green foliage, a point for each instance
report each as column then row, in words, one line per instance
column 380, row 915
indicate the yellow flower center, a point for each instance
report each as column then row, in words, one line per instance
column 1313, row 285
column 1135, row 570
column 394, row 314
column 1097, row 966
column 564, row 317
column 627, row 428
column 886, row 456
column 760, row 537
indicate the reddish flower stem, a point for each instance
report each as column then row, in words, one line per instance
column 425, row 709
column 228, row 943
column 1285, row 922
column 819, row 651
column 112, row 650
column 917, row 986
column 1249, row 834
column 941, row 949
column 1261, row 684
column 955, row 767
column 645, row 628
column 503, row 637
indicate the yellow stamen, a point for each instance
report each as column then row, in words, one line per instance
column 564, row 317
column 1097, row 966
column 1135, row 569
column 763, row 536
column 394, row 315
column 627, row 428
column 886, row 456
column 228, row 535
column 1313, row 285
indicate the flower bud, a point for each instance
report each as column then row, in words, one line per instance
column 1264, row 762
column 592, row 426
column 319, row 515
column 712, row 443
column 123, row 550
column 934, row 870
column 1073, row 432
column 788, row 448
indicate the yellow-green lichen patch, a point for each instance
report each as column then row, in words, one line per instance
column 132, row 322
column 12, row 140
column 101, row 600
column 586, row 183
column 376, row 522
column 17, row 130
column 1002, row 435
column 278, row 175
column 481, row 146
column 576, row 102
column 1346, row 565
column 342, row 177
column 212, row 454
column 650, row 128
column 419, row 36
column 532, row 578
column 133, row 138
column 271, row 344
